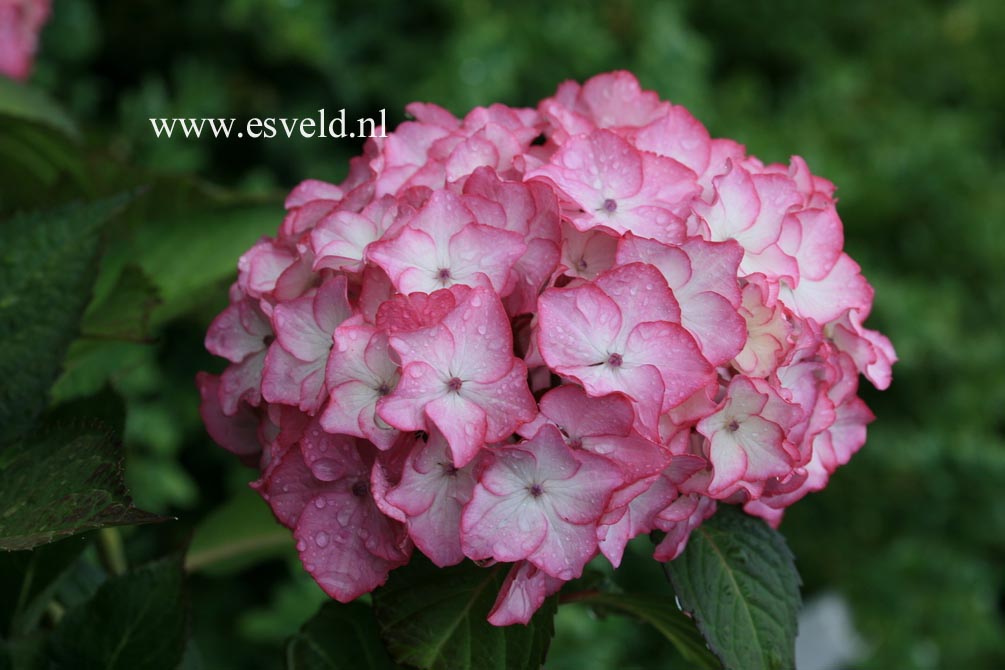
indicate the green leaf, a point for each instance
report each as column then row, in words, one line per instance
column 339, row 637
column 434, row 617
column 187, row 237
column 24, row 653
column 238, row 534
column 664, row 616
column 47, row 267
column 738, row 578
column 28, row 580
column 65, row 481
column 123, row 313
column 25, row 102
column 137, row 621
column 38, row 163
column 292, row 603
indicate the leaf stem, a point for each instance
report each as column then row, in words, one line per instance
column 111, row 551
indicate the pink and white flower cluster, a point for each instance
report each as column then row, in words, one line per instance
column 530, row 335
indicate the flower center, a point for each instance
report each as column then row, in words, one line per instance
column 610, row 205
column 733, row 426
column 536, row 490
column 383, row 389
column 443, row 274
column 360, row 489
column 454, row 385
column 615, row 360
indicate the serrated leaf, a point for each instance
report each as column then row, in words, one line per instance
column 64, row 481
column 434, row 617
column 339, row 637
column 236, row 535
column 136, row 621
column 47, row 267
column 664, row 615
column 738, row 578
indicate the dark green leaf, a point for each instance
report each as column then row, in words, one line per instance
column 28, row 580
column 63, row 482
column 38, row 162
column 434, row 617
column 737, row 577
column 47, row 267
column 24, row 653
column 137, row 621
column 665, row 617
column 124, row 312
column 339, row 637
column 236, row 535
column 23, row 101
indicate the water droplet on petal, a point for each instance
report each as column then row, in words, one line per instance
column 321, row 539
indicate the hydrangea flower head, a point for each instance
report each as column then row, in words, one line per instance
column 529, row 335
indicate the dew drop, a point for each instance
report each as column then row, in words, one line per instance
column 301, row 546
column 319, row 502
column 321, row 539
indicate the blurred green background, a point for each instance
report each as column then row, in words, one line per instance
column 900, row 103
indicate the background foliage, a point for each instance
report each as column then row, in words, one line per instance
column 900, row 103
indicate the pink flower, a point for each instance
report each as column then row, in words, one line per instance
column 622, row 333
column 530, row 335
column 21, row 22
column 241, row 334
column 702, row 276
column 295, row 365
column 432, row 493
column 538, row 501
column 443, row 245
column 359, row 373
column 461, row 376
column 522, row 593
column 621, row 188
column 747, row 437
column 344, row 541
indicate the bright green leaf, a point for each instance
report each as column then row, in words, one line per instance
column 136, row 621
column 64, row 481
column 434, row 617
column 47, row 267
column 738, row 578
column 236, row 535
column 339, row 637
column 664, row 615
